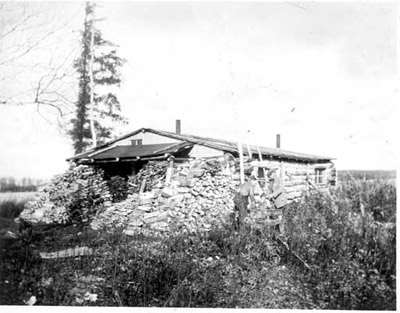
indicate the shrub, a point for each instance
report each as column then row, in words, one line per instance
column 11, row 209
column 352, row 255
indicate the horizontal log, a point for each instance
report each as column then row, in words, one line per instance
column 320, row 165
column 271, row 222
column 273, row 212
column 296, row 189
column 295, row 167
column 72, row 252
column 292, row 187
column 295, row 194
column 134, row 223
column 159, row 225
column 295, row 182
column 296, row 173
column 265, row 164
column 131, row 231
column 290, row 200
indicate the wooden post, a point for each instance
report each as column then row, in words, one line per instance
column 314, row 186
column 248, row 150
column 142, row 186
column 265, row 172
column 308, row 178
column 278, row 141
column 170, row 169
column 178, row 127
column 240, row 148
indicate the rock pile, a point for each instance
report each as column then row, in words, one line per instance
column 77, row 193
column 152, row 174
column 198, row 195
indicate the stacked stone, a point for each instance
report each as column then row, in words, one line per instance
column 81, row 184
column 154, row 172
column 116, row 215
column 198, row 196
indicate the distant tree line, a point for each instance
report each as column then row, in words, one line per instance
column 366, row 174
column 10, row 184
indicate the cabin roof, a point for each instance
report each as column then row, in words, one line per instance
column 101, row 151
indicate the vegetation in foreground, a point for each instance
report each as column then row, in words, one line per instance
column 347, row 239
column 355, row 175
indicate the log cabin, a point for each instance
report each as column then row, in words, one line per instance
column 127, row 154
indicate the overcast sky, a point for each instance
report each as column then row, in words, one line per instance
column 323, row 75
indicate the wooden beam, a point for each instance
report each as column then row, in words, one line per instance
column 240, row 148
column 313, row 185
column 263, row 168
column 142, row 186
column 68, row 253
column 293, row 253
column 273, row 212
column 170, row 169
column 272, row 222
column 248, row 150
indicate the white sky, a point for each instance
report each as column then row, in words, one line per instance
column 323, row 75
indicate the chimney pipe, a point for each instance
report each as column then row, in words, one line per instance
column 178, row 126
column 278, row 141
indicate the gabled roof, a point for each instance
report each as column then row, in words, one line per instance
column 219, row 144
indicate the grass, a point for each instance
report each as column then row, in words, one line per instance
column 218, row 269
column 11, row 205
column 10, row 208
column 17, row 196
column 351, row 256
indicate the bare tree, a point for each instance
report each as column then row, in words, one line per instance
column 37, row 47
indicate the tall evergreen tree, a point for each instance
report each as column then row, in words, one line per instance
column 106, row 76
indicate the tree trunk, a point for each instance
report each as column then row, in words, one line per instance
column 92, row 105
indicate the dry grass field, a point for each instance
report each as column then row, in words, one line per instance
column 17, row 196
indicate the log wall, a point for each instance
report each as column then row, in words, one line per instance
column 295, row 176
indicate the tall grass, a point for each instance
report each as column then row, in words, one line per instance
column 349, row 239
column 10, row 208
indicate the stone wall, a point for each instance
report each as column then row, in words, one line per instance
column 198, row 195
column 164, row 195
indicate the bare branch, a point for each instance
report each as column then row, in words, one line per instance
column 17, row 26
column 52, row 78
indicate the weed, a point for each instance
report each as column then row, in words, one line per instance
column 350, row 249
